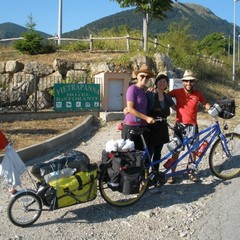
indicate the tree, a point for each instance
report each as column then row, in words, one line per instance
column 182, row 45
column 216, row 44
column 31, row 24
column 150, row 8
column 32, row 42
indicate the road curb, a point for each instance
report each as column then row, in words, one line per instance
column 39, row 151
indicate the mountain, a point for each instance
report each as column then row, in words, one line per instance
column 203, row 22
column 12, row 30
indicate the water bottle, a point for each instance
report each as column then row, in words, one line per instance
column 63, row 173
column 202, row 149
column 173, row 144
column 169, row 163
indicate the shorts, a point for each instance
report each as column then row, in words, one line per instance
column 190, row 131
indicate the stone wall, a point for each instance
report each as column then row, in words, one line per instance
column 25, row 84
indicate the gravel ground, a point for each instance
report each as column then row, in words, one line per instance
column 171, row 212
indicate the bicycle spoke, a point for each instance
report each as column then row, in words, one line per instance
column 223, row 164
column 24, row 209
column 116, row 197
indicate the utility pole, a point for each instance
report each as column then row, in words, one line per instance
column 145, row 32
column 234, row 39
column 229, row 38
column 238, row 49
column 59, row 21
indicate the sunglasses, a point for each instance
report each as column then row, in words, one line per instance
column 191, row 81
column 144, row 76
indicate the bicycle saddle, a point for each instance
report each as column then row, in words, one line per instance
column 139, row 131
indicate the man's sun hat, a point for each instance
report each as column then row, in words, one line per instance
column 188, row 75
column 144, row 69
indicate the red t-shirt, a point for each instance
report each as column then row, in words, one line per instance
column 187, row 105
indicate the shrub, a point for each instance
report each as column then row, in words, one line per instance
column 32, row 42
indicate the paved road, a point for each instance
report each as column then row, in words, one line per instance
column 221, row 218
column 185, row 210
column 222, row 214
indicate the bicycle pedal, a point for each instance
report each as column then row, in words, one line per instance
column 160, row 183
column 160, row 179
column 192, row 167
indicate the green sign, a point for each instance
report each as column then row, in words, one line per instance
column 76, row 97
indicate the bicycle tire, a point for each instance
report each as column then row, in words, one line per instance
column 116, row 198
column 19, row 211
column 221, row 165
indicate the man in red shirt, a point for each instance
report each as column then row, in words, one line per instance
column 187, row 101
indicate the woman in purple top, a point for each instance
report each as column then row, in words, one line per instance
column 137, row 107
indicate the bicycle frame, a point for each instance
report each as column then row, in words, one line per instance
column 191, row 144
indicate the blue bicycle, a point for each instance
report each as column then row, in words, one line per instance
column 224, row 158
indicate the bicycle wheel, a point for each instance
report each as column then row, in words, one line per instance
column 117, row 198
column 222, row 164
column 24, row 209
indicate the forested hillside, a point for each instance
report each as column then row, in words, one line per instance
column 201, row 20
column 12, row 30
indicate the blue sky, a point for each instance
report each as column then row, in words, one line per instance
column 78, row 13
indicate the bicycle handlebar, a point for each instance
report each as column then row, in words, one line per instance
column 160, row 119
column 218, row 111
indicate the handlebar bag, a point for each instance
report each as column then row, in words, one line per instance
column 228, row 108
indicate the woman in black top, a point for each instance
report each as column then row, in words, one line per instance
column 159, row 104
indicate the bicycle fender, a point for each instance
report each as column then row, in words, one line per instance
column 24, row 190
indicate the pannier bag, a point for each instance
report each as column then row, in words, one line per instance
column 228, row 106
column 126, row 172
column 104, row 159
column 78, row 188
column 74, row 160
column 111, row 147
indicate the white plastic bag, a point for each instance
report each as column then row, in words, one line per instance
column 128, row 146
column 119, row 145
column 111, row 146
column 12, row 167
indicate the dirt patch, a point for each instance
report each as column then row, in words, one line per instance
column 27, row 133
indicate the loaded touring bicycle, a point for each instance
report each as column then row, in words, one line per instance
column 124, row 175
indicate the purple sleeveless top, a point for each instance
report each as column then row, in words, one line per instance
column 138, row 96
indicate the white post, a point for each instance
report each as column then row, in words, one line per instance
column 234, row 38
column 59, row 21
column 238, row 48
column 229, row 38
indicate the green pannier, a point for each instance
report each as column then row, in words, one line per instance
column 78, row 188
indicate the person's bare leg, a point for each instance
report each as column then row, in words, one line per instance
column 192, row 176
column 175, row 158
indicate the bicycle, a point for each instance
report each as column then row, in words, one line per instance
column 47, row 194
column 26, row 205
column 224, row 158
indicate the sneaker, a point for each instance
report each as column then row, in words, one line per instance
column 171, row 180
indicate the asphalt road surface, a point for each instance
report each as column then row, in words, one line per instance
column 221, row 219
